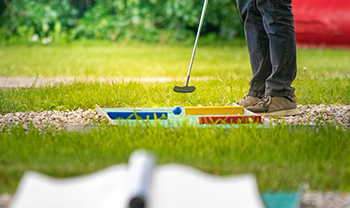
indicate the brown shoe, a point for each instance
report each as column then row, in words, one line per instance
column 275, row 106
column 248, row 101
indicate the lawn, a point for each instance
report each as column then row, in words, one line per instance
column 281, row 159
column 220, row 91
column 153, row 61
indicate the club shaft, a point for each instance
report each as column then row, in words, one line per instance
column 195, row 43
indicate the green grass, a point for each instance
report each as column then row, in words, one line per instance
column 119, row 61
column 152, row 61
column 215, row 92
column 281, row 159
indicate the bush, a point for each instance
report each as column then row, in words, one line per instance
column 115, row 20
column 24, row 18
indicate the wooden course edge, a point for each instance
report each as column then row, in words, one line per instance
column 104, row 114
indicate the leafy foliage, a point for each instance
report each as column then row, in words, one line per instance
column 43, row 17
column 142, row 20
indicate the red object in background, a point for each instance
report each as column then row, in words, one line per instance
column 322, row 23
column 235, row 119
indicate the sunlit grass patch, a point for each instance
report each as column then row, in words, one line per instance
column 213, row 92
column 153, row 61
column 281, row 158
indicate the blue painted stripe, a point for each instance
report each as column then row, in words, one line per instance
column 139, row 115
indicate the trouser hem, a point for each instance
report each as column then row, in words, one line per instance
column 256, row 94
column 279, row 94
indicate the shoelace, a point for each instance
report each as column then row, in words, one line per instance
column 265, row 101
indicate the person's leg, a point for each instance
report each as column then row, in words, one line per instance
column 258, row 46
column 279, row 25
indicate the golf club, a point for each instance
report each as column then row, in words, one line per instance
column 186, row 88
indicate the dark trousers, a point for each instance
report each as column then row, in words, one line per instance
column 270, row 36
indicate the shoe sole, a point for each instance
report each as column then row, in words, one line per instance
column 291, row 112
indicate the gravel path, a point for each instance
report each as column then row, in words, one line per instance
column 325, row 200
column 319, row 114
column 5, row 200
column 312, row 114
column 309, row 200
column 58, row 119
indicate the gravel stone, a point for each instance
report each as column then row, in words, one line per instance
column 5, row 200
column 325, row 200
column 310, row 114
column 57, row 119
column 318, row 114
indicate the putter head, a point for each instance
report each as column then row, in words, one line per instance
column 185, row 89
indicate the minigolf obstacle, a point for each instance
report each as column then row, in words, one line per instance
column 138, row 115
column 235, row 119
column 225, row 116
column 215, row 110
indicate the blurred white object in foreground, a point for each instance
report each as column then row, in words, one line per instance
column 166, row 186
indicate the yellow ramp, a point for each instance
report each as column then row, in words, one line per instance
column 216, row 110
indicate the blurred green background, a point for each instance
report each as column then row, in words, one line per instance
column 148, row 21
